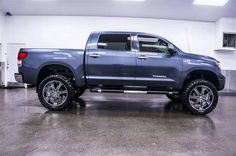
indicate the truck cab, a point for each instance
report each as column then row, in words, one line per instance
column 138, row 61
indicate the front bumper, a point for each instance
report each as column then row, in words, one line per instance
column 19, row 77
column 221, row 82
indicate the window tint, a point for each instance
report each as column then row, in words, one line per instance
column 152, row 44
column 119, row 42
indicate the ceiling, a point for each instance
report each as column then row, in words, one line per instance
column 167, row 9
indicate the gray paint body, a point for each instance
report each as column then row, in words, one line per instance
column 159, row 71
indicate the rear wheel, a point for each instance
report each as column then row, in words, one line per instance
column 200, row 97
column 174, row 97
column 56, row 92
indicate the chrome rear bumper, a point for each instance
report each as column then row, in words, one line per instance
column 19, row 77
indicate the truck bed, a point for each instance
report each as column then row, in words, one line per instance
column 38, row 58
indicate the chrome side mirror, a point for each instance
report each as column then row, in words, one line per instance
column 171, row 46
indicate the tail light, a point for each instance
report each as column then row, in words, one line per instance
column 22, row 55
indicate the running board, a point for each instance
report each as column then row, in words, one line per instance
column 131, row 91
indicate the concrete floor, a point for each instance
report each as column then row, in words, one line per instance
column 113, row 124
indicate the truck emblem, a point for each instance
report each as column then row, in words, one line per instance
column 159, row 76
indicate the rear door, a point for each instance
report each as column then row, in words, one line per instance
column 156, row 68
column 112, row 62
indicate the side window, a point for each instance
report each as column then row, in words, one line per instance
column 152, row 44
column 120, row 42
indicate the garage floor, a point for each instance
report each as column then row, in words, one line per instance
column 113, row 124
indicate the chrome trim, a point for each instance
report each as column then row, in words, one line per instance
column 135, row 91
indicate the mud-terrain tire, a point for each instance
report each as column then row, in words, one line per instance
column 200, row 97
column 56, row 92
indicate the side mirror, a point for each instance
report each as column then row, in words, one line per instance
column 171, row 49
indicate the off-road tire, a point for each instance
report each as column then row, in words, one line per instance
column 68, row 85
column 186, row 93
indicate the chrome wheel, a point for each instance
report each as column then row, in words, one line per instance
column 55, row 93
column 201, row 98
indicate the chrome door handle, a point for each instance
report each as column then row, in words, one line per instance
column 94, row 55
column 142, row 57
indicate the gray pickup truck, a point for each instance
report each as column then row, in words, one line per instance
column 122, row 62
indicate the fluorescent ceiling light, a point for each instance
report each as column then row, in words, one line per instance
column 129, row 0
column 210, row 2
column 43, row 0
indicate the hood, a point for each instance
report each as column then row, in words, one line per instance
column 199, row 57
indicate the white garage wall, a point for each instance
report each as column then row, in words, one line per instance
column 73, row 31
column 228, row 57
column 2, row 32
column 2, row 22
column 2, row 47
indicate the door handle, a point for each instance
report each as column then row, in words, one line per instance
column 142, row 57
column 94, row 55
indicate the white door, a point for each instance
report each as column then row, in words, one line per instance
column 12, row 52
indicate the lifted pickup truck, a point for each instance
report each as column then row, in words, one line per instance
column 122, row 62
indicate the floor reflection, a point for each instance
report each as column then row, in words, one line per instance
column 170, row 111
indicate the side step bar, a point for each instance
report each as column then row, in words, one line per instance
column 131, row 91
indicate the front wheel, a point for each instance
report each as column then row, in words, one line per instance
column 200, row 97
column 56, row 92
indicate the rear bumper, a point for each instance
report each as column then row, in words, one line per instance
column 19, row 77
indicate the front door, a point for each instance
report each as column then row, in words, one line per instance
column 156, row 68
column 112, row 63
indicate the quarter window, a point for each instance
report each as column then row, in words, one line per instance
column 119, row 42
column 152, row 44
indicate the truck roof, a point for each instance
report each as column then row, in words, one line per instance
column 125, row 32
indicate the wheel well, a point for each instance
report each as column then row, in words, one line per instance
column 54, row 69
column 202, row 74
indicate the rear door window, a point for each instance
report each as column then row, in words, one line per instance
column 118, row 42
